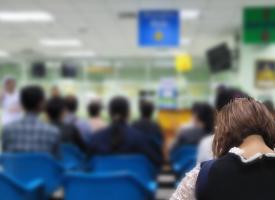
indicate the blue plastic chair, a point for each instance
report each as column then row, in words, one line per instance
column 183, row 151
column 136, row 165
column 27, row 167
column 184, row 165
column 72, row 157
column 112, row 186
column 11, row 189
column 183, row 159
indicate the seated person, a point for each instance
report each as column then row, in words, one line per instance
column 55, row 109
column 203, row 116
column 29, row 134
column 94, row 110
column 119, row 137
column 223, row 97
column 83, row 127
column 147, row 126
column 245, row 160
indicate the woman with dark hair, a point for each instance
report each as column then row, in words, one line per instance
column 119, row 137
column 245, row 160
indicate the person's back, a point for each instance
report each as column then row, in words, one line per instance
column 30, row 134
column 83, row 127
column 95, row 121
column 241, row 178
column 69, row 133
column 119, row 137
column 101, row 141
column 244, row 162
column 149, row 128
column 190, row 136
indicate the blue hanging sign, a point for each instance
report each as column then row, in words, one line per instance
column 159, row 28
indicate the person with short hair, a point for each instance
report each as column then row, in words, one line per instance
column 11, row 108
column 244, row 162
column 83, row 126
column 203, row 117
column 119, row 137
column 94, row 110
column 55, row 109
column 30, row 134
column 146, row 125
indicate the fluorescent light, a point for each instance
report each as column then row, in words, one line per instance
column 24, row 16
column 79, row 54
column 4, row 54
column 185, row 41
column 60, row 42
column 189, row 14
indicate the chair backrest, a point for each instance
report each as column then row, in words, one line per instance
column 12, row 190
column 136, row 164
column 104, row 187
column 27, row 167
column 71, row 156
column 183, row 151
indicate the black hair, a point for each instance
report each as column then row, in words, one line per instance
column 94, row 108
column 226, row 95
column 146, row 109
column 54, row 108
column 269, row 105
column 31, row 98
column 118, row 111
column 71, row 103
column 205, row 114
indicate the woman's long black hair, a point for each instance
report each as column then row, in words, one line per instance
column 118, row 111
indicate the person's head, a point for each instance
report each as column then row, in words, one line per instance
column 119, row 109
column 55, row 92
column 55, row 109
column 146, row 109
column 32, row 98
column 203, row 116
column 238, row 120
column 269, row 105
column 9, row 84
column 94, row 108
column 71, row 103
column 226, row 95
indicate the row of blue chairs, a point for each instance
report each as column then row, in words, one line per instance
column 183, row 159
column 104, row 176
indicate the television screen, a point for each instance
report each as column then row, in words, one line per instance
column 69, row 70
column 38, row 69
column 219, row 58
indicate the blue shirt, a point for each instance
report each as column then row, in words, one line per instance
column 30, row 135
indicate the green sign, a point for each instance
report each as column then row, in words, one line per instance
column 259, row 25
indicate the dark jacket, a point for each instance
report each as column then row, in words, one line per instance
column 152, row 132
column 133, row 142
column 70, row 134
column 191, row 136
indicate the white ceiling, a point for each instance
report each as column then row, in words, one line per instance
column 97, row 24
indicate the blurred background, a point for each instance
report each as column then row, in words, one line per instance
column 172, row 52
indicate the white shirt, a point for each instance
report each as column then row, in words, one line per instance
column 205, row 152
column 11, row 109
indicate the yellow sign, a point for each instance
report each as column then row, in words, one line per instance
column 183, row 63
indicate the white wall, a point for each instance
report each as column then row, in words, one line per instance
column 246, row 76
